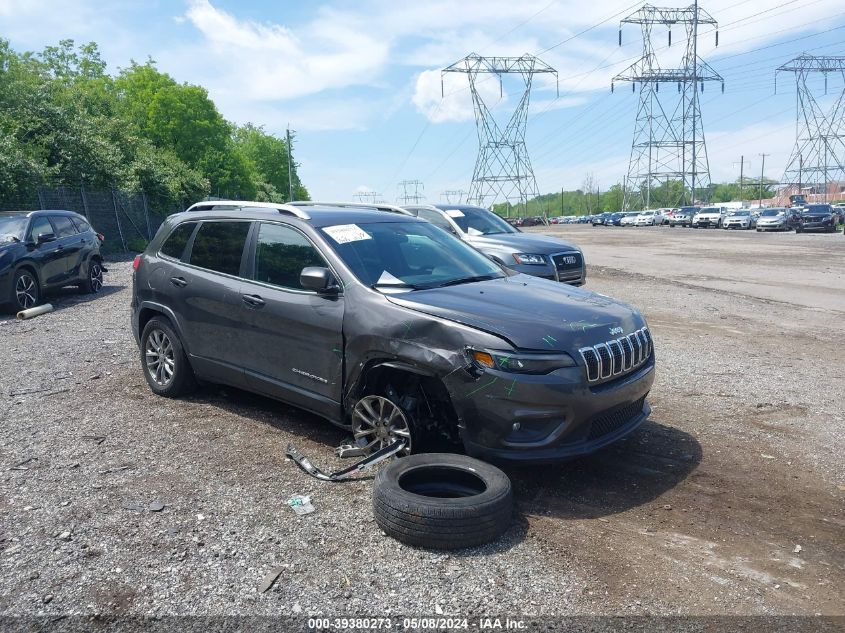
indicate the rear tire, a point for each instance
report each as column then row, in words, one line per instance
column 442, row 501
column 93, row 282
column 163, row 360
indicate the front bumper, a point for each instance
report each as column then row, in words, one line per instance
column 821, row 225
column 781, row 226
column 558, row 416
column 704, row 223
column 736, row 225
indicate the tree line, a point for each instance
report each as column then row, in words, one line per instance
column 64, row 120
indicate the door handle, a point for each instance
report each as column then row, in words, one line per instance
column 178, row 281
column 253, row 301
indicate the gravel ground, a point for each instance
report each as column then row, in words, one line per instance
column 729, row 501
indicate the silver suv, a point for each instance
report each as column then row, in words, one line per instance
column 531, row 254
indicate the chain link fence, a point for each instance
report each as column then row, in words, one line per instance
column 127, row 220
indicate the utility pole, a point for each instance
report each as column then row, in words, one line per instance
column 290, row 169
column 411, row 192
column 762, row 169
column 741, row 169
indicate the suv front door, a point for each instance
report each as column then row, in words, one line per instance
column 49, row 255
column 70, row 244
column 293, row 338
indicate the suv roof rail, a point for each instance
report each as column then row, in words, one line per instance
column 224, row 205
column 378, row 206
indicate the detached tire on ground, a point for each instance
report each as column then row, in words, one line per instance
column 442, row 501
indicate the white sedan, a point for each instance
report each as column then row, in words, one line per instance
column 648, row 218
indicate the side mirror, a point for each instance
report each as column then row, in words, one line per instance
column 43, row 238
column 318, row 279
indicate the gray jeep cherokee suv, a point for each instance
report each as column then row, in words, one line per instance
column 390, row 327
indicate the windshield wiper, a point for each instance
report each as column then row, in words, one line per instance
column 465, row 280
column 401, row 284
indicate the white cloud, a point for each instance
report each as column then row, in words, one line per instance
column 271, row 61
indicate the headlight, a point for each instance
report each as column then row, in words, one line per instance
column 527, row 258
column 520, row 363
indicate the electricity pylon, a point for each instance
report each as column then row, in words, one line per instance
column 453, row 196
column 367, row 197
column 411, row 192
column 503, row 170
column 668, row 140
column 818, row 157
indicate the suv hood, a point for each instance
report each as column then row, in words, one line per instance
column 531, row 313
column 709, row 214
column 522, row 243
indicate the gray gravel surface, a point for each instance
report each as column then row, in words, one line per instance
column 700, row 512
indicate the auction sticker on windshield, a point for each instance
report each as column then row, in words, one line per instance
column 454, row 213
column 345, row 233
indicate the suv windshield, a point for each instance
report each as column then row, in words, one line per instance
column 12, row 229
column 817, row 208
column 479, row 221
column 408, row 255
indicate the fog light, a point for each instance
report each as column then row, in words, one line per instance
column 516, row 426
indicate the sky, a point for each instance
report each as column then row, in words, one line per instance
column 360, row 84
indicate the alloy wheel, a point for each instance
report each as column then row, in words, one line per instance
column 160, row 358
column 378, row 422
column 26, row 291
column 96, row 276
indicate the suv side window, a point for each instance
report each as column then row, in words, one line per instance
column 280, row 255
column 174, row 245
column 436, row 218
column 219, row 246
column 40, row 225
column 81, row 225
column 64, row 227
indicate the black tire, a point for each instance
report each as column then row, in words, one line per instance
column 93, row 281
column 26, row 290
column 442, row 501
column 181, row 379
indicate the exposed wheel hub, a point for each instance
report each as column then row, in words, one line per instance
column 378, row 422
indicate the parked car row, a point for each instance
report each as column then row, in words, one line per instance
column 811, row 217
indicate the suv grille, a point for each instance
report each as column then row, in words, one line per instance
column 568, row 266
column 606, row 423
column 618, row 356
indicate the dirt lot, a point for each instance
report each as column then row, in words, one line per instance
column 729, row 501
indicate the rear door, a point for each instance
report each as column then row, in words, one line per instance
column 69, row 244
column 293, row 345
column 48, row 256
column 207, row 292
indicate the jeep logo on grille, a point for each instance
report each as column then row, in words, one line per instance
column 568, row 259
column 615, row 330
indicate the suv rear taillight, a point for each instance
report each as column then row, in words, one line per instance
column 136, row 263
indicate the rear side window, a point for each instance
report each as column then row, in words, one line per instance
column 40, row 225
column 174, row 245
column 64, row 227
column 219, row 246
column 280, row 255
column 81, row 225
